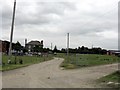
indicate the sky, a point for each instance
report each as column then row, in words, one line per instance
column 89, row 22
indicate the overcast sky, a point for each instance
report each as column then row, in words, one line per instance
column 89, row 22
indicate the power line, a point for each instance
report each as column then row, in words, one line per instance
column 99, row 16
column 51, row 46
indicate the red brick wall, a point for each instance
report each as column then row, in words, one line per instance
column 4, row 47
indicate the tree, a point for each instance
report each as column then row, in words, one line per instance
column 25, row 50
column 46, row 49
column 17, row 46
column 37, row 48
column 63, row 50
column 82, row 48
column 55, row 49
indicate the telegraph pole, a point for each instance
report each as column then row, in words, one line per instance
column 68, row 47
column 51, row 46
column 12, row 27
column 67, row 44
column 92, row 46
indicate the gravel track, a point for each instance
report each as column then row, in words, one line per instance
column 49, row 75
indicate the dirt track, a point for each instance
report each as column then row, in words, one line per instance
column 0, row 80
column 50, row 75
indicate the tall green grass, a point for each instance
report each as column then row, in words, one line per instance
column 84, row 60
column 27, row 60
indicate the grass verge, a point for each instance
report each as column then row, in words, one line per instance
column 112, row 80
column 27, row 60
column 84, row 60
column 0, row 67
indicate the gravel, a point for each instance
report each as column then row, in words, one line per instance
column 49, row 75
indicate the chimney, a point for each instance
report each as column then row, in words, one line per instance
column 42, row 42
column 25, row 42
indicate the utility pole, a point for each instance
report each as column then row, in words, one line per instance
column 67, row 44
column 12, row 27
column 92, row 46
column 51, row 46
column 68, row 47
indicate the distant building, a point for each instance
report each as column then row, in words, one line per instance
column 4, row 46
column 0, row 45
column 30, row 45
column 113, row 52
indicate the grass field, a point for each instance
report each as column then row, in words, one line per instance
column 27, row 60
column 114, row 78
column 83, row 60
column 71, row 62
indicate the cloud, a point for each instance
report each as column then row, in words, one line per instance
column 108, row 34
column 85, row 20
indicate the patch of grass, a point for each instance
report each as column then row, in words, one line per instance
column 0, row 67
column 68, row 66
column 114, row 78
column 85, row 60
column 27, row 60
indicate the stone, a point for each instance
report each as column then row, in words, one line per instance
column 109, row 83
column 48, row 77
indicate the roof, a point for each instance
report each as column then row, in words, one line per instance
column 34, row 43
column 115, row 51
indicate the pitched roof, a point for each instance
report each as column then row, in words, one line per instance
column 34, row 43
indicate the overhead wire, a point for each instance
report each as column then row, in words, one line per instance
column 92, row 20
